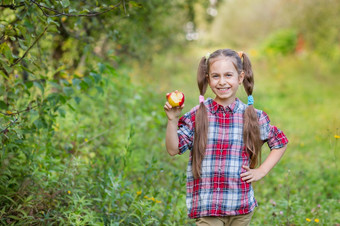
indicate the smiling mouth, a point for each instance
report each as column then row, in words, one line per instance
column 223, row 89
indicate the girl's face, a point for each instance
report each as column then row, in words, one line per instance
column 224, row 80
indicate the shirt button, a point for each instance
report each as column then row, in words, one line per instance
column 218, row 189
column 221, row 150
column 219, row 169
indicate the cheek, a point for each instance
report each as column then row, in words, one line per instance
column 212, row 83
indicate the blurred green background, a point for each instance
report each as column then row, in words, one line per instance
column 83, row 85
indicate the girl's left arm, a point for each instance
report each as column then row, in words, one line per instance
column 253, row 175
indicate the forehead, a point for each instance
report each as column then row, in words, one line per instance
column 222, row 64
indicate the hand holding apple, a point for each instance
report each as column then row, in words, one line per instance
column 174, row 105
column 175, row 99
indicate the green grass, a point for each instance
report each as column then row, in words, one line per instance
column 300, row 95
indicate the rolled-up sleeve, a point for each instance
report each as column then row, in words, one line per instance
column 185, row 132
column 274, row 137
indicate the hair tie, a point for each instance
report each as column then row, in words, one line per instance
column 240, row 54
column 207, row 56
column 250, row 100
column 201, row 99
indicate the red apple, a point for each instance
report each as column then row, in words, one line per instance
column 175, row 98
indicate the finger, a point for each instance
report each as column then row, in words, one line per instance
column 182, row 106
column 247, row 178
column 245, row 174
column 246, row 167
column 168, row 105
column 179, row 108
column 251, row 180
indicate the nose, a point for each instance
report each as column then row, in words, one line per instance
column 222, row 80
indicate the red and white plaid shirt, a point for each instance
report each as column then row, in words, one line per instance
column 220, row 190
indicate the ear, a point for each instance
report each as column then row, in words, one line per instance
column 207, row 77
column 241, row 77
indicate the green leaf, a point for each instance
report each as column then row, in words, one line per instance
column 88, row 81
column 50, row 20
column 65, row 3
column 53, row 99
column 29, row 84
column 14, row 217
column 62, row 98
column 97, row 77
column 26, row 69
column 62, row 112
column 71, row 107
column 38, row 85
column 84, row 86
column 135, row 4
column 84, row 11
column 100, row 90
column 3, row 74
column 76, row 82
column 34, row 115
column 22, row 44
column 3, row 105
column 55, row 85
column 77, row 99
column 65, row 82
column 102, row 67
column 53, row 29
column 4, row 48
column 38, row 123
column 68, row 91
column 7, row 68
column 112, row 71
column 18, row 142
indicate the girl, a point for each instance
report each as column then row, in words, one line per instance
column 224, row 137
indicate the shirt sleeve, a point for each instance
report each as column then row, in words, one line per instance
column 185, row 132
column 274, row 137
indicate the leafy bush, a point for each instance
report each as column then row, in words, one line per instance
column 281, row 42
column 71, row 161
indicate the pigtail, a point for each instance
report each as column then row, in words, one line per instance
column 251, row 127
column 201, row 122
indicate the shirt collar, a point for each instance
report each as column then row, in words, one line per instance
column 214, row 107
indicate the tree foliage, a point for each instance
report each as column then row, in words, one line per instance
column 66, row 33
column 61, row 42
column 54, row 54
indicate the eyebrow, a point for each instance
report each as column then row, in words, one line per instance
column 223, row 73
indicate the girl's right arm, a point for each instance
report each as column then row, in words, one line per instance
column 171, row 140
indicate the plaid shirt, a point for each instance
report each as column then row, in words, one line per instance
column 220, row 191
